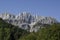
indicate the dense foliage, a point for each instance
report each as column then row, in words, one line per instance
column 47, row 33
column 11, row 32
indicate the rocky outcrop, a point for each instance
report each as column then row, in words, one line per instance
column 27, row 21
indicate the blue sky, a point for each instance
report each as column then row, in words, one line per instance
column 39, row 7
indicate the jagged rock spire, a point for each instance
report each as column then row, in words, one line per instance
column 27, row 20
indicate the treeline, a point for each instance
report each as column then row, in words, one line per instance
column 51, row 32
column 11, row 32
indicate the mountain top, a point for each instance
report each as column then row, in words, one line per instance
column 27, row 21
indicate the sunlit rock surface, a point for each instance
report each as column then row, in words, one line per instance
column 27, row 21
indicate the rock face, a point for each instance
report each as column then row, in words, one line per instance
column 27, row 21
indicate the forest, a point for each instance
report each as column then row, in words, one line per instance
column 11, row 32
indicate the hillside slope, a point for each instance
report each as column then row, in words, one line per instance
column 47, row 33
column 10, row 32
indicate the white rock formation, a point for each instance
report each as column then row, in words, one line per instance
column 27, row 21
